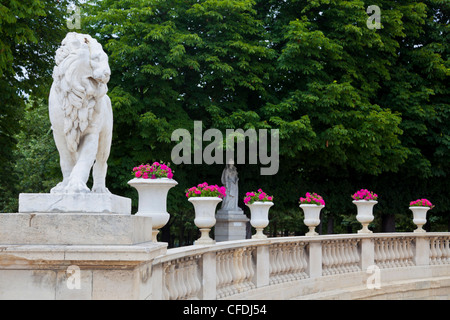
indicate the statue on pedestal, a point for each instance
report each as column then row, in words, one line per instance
column 230, row 181
column 80, row 113
column 231, row 220
column 82, row 121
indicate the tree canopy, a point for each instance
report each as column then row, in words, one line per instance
column 355, row 107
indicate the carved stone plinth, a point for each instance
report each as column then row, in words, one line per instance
column 74, row 203
column 73, row 229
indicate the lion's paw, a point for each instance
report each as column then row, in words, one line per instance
column 76, row 186
column 59, row 188
column 100, row 189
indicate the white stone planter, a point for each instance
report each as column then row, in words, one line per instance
column 259, row 217
column 312, row 217
column 205, row 211
column 153, row 200
column 419, row 217
column 365, row 213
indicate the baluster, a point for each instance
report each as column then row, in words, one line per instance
column 410, row 252
column 185, row 276
column 195, row 276
column 298, row 261
column 447, row 251
column 339, row 260
column 401, row 255
column 357, row 255
column 245, row 269
column 402, row 252
column 278, row 264
column 326, row 262
column 344, row 256
column 304, row 257
column 349, row 255
column 376, row 251
column 191, row 277
column 289, row 262
column 283, row 265
column 165, row 287
column 438, row 250
column 173, row 290
column 240, row 268
column 219, row 273
column 230, row 271
column 346, row 244
column 180, row 278
column 389, row 250
column 272, row 268
column 383, row 254
column 433, row 253
column 334, row 257
column 251, row 270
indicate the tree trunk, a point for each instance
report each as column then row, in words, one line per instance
column 330, row 224
column 387, row 223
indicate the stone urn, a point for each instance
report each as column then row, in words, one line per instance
column 419, row 217
column 153, row 200
column 312, row 217
column 205, row 211
column 364, row 213
column 259, row 217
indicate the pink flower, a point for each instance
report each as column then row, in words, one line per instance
column 145, row 175
column 170, row 175
column 138, row 174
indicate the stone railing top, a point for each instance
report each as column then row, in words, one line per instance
column 180, row 252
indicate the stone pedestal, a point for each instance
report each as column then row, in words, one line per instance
column 76, row 246
column 230, row 225
column 78, row 272
column 74, row 203
column 73, row 229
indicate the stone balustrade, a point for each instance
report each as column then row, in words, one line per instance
column 346, row 266
column 304, row 267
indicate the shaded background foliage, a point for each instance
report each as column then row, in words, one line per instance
column 356, row 107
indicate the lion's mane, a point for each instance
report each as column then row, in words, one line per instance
column 79, row 91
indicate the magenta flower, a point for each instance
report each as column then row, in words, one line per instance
column 205, row 190
column 364, row 194
column 253, row 196
column 157, row 170
column 312, row 198
column 421, row 203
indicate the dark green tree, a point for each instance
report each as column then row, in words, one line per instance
column 30, row 32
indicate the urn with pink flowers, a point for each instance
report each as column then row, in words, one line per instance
column 420, row 208
column 365, row 200
column 153, row 183
column 312, row 204
column 205, row 198
column 259, row 203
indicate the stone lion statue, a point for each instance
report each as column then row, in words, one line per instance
column 81, row 114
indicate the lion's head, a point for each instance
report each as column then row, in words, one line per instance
column 80, row 76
